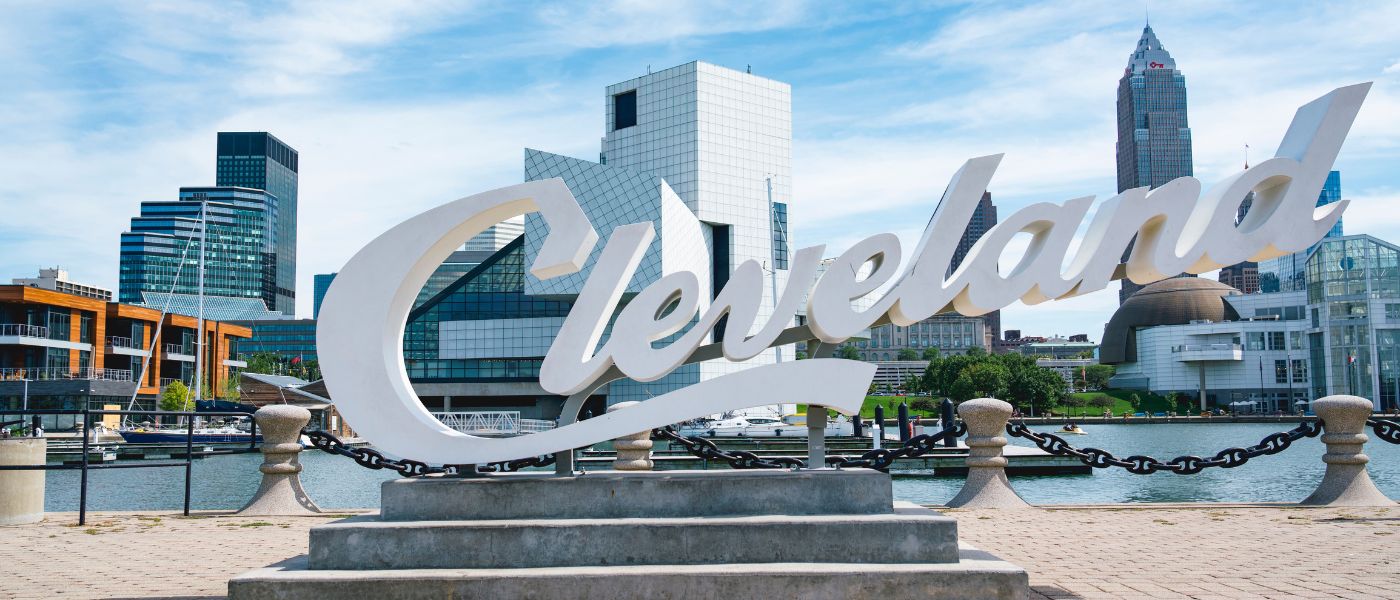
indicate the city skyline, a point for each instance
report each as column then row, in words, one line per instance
column 862, row 160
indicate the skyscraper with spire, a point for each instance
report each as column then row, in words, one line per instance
column 1154, row 139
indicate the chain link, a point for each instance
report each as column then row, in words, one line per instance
column 1385, row 429
column 880, row 459
column 738, row 459
column 1228, row 458
column 373, row 459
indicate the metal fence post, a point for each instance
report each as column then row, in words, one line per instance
column 189, row 458
column 83, row 482
column 945, row 419
column 903, row 422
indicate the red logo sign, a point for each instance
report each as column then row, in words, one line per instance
column 1155, row 65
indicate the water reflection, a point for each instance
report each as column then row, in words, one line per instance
column 226, row 482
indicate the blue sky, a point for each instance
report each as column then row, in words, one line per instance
column 396, row 107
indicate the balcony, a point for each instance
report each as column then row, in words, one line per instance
column 64, row 374
column 124, row 346
column 166, row 381
column 1207, row 352
column 179, row 352
column 17, row 334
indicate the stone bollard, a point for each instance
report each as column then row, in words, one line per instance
column 1346, row 482
column 280, row 493
column 633, row 451
column 986, row 485
column 22, row 492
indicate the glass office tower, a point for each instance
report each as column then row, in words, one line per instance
column 160, row 254
column 261, row 161
column 1289, row 273
column 1353, row 286
column 1154, row 138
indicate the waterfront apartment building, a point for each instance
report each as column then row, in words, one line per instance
column 56, row 279
column 258, row 160
column 694, row 149
column 160, row 254
column 1154, row 137
column 66, row 351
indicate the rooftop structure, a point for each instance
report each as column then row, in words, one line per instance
column 56, row 279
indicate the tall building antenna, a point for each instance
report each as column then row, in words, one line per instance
column 1246, row 156
column 1147, row 12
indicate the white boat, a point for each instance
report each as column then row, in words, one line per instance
column 756, row 426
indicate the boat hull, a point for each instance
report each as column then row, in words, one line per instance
column 172, row 437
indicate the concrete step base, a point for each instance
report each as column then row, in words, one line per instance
column 911, row 534
column 649, row 494
column 977, row 575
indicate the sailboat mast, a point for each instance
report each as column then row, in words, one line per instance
column 199, row 321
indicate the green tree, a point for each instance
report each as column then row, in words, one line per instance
column 176, row 398
column 266, row 363
column 1031, row 386
column 913, row 384
column 801, row 355
column 1136, row 402
column 976, row 351
column 907, row 354
column 941, row 373
column 982, row 379
column 848, row 353
column 1093, row 377
column 230, row 389
column 931, row 354
column 1101, row 401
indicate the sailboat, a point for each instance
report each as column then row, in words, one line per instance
column 228, row 432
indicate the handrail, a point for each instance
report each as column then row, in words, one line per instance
column 1204, row 347
column 63, row 373
column 84, row 466
column 22, row 330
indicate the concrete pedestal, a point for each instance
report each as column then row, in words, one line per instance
column 22, row 492
column 669, row 534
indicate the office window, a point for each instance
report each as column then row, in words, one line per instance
column 1280, row 371
column 625, row 110
column 1276, row 340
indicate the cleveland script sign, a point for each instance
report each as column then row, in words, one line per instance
column 1177, row 227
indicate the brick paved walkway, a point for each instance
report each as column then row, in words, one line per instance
column 1200, row 552
column 1206, row 551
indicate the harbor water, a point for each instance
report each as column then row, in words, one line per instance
column 226, row 482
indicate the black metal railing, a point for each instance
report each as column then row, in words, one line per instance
column 1138, row 464
column 84, row 465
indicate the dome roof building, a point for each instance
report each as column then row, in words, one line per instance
column 1177, row 301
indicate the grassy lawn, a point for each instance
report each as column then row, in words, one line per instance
column 1151, row 403
column 891, row 404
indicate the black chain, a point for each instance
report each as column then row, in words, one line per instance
column 1228, row 458
column 373, row 459
column 738, row 459
column 1385, row 429
column 880, row 459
